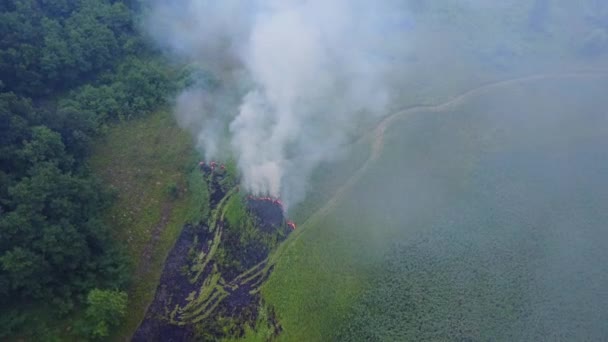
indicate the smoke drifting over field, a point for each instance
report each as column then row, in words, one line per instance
column 489, row 193
column 313, row 69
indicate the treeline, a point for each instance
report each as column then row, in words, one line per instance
column 67, row 68
column 47, row 46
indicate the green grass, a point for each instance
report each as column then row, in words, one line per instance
column 149, row 163
column 235, row 211
column 422, row 242
column 328, row 178
column 199, row 196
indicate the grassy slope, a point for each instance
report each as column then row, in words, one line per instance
column 322, row 272
column 142, row 160
column 337, row 256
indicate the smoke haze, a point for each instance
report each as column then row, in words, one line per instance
column 298, row 78
column 480, row 211
column 313, row 70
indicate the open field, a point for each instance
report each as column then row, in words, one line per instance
column 447, row 239
column 149, row 163
column 401, row 238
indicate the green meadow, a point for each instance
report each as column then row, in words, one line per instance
column 475, row 222
column 149, row 163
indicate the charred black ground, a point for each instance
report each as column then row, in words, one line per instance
column 269, row 213
column 209, row 288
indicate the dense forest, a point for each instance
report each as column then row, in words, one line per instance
column 67, row 69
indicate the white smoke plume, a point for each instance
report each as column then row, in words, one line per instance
column 305, row 72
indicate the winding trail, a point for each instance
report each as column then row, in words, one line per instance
column 145, row 260
column 377, row 135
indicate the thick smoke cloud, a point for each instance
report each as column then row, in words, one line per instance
column 312, row 71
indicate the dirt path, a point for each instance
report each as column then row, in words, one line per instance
column 378, row 132
column 146, row 256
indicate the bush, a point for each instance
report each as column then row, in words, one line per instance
column 173, row 190
column 105, row 309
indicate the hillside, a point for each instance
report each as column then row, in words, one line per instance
column 399, row 170
column 446, row 242
column 68, row 71
column 149, row 164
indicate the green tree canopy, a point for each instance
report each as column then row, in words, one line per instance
column 105, row 309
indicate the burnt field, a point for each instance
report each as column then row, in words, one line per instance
column 209, row 288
